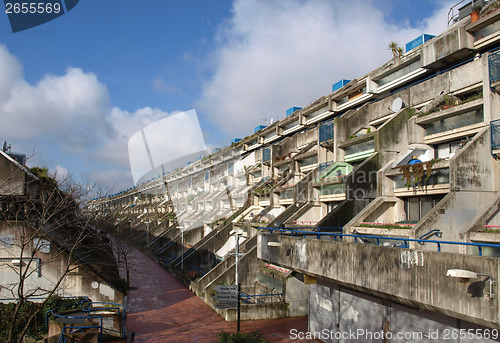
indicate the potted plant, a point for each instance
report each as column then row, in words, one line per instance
column 396, row 50
column 474, row 15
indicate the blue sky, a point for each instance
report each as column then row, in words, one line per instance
column 76, row 88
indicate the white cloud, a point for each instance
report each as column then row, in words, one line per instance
column 68, row 118
column 70, row 108
column 277, row 54
column 60, row 173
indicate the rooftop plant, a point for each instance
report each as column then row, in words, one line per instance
column 396, row 50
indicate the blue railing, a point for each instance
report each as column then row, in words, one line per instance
column 323, row 166
column 426, row 236
column 494, row 63
column 495, row 134
column 314, row 228
column 86, row 307
column 363, row 238
column 266, row 155
column 326, row 131
column 245, row 297
column 197, row 269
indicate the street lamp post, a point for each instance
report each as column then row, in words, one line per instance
column 182, row 243
column 237, row 233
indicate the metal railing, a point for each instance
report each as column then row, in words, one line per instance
column 403, row 242
column 323, row 166
column 326, row 131
column 87, row 308
column 495, row 134
column 266, row 154
column 246, row 297
column 494, row 67
column 452, row 15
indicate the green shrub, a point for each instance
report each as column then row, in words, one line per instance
column 37, row 329
column 241, row 337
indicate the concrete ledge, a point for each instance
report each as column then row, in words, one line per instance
column 252, row 311
column 485, row 237
column 411, row 277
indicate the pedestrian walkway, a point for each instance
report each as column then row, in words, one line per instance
column 162, row 309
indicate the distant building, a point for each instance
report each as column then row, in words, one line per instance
column 38, row 231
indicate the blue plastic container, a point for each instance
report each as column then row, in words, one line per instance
column 292, row 109
column 340, row 84
column 260, row 127
column 418, row 41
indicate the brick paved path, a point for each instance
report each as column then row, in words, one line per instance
column 162, row 309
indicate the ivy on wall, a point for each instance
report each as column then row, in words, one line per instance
column 417, row 174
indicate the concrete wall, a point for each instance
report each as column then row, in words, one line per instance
column 473, row 168
column 414, row 278
column 296, row 296
column 12, row 179
column 336, row 311
column 79, row 282
column 454, row 215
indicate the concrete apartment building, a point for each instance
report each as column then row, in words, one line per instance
column 376, row 207
column 47, row 243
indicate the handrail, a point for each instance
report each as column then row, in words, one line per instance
column 86, row 308
column 363, row 238
column 249, row 296
column 451, row 13
column 495, row 133
column 313, row 228
column 425, row 236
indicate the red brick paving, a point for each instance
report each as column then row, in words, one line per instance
column 162, row 309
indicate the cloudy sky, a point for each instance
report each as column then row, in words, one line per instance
column 74, row 90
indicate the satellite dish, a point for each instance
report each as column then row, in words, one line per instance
column 397, row 105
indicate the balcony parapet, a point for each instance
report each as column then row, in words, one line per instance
column 416, row 278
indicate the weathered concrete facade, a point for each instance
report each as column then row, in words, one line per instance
column 40, row 241
column 409, row 150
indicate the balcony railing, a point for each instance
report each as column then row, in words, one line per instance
column 495, row 135
column 326, row 132
column 399, row 242
column 494, row 62
column 266, row 155
column 323, row 166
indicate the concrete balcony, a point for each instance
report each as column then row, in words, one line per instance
column 409, row 277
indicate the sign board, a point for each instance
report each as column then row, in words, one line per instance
column 309, row 280
column 226, row 289
column 226, row 305
column 226, row 297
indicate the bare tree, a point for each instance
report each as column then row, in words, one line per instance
column 43, row 228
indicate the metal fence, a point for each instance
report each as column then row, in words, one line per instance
column 323, row 166
column 266, row 155
column 399, row 242
column 494, row 62
column 495, row 134
column 326, row 131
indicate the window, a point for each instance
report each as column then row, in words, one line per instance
column 461, row 120
column 417, row 207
